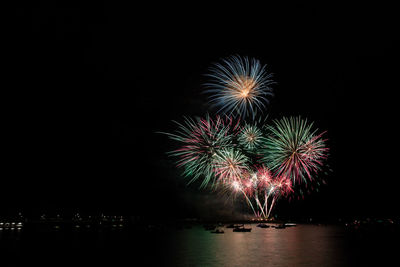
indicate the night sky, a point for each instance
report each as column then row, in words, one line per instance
column 91, row 85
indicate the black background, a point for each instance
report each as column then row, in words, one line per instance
column 89, row 86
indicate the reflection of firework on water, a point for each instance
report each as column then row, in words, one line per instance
column 239, row 86
column 201, row 140
column 230, row 164
column 251, row 137
column 293, row 149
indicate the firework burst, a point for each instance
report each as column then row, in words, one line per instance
column 293, row 149
column 280, row 186
column 264, row 177
column 251, row 137
column 230, row 165
column 202, row 139
column 239, row 86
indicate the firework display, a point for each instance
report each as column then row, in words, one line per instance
column 260, row 161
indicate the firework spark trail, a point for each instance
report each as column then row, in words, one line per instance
column 260, row 207
column 239, row 86
column 237, row 187
column 276, row 188
column 250, row 185
column 281, row 186
column 261, row 183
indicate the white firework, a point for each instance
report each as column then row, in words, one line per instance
column 239, row 86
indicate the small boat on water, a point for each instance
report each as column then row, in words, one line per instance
column 241, row 228
column 218, row 231
column 263, row 225
column 280, row 226
column 233, row 225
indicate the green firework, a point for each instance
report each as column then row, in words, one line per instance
column 294, row 149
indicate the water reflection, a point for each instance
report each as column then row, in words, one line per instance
column 303, row 245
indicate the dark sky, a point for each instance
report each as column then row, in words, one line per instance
column 90, row 86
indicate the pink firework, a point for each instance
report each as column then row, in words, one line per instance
column 264, row 177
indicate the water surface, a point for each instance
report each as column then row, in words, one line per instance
column 303, row 245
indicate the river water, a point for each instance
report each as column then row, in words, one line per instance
column 303, row 245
